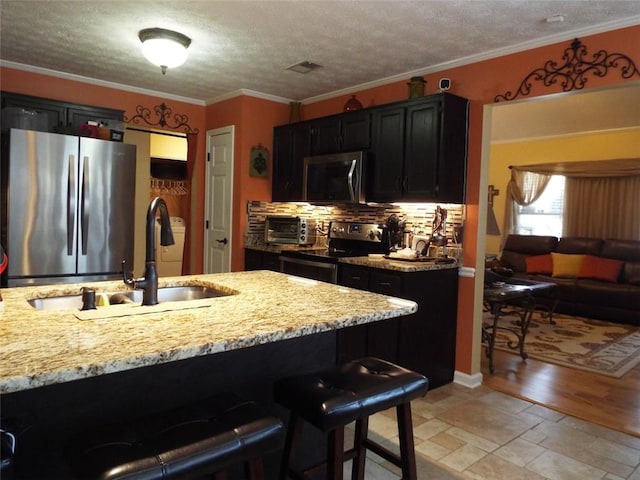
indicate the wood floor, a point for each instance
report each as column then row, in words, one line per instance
column 607, row 401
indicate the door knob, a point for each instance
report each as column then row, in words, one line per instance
column 223, row 241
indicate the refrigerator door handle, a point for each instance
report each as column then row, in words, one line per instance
column 84, row 210
column 71, row 203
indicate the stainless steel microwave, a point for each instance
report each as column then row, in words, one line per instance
column 289, row 230
column 337, row 178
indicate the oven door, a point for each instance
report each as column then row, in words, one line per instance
column 308, row 268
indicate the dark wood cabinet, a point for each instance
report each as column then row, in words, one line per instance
column 419, row 150
column 62, row 117
column 260, row 260
column 424, row 341
column 291, row 143
column 346, row 132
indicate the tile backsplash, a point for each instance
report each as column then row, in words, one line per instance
column 418, row 216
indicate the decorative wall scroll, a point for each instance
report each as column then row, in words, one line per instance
column 258, row 160
column 164, row 114
column 574, row 71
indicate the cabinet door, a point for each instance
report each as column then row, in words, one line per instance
column 80, row 115
column 353, row 276
column 54, row 111
column 252, row 259
column 452, row 169
column 271, row 261
column 281, row 175
column 325, row 135
column 355, row 131
column 421, row 153
column 290, row 145
column 386, row 167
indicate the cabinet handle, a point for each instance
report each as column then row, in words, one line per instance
column 385, row 284
column 355, row 278
column 405, row 184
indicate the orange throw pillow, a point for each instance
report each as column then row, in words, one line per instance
column 566, row 265
column 539, row 264
column 598, row 268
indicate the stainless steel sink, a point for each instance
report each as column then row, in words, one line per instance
column 165, row 294
column 179, row 294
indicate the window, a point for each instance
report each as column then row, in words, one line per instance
column 544, row 216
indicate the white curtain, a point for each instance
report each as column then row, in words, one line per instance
column 524, row 188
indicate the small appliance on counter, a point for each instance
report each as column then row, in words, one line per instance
column 289, row 230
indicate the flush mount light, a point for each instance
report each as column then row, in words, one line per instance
column 164, row 48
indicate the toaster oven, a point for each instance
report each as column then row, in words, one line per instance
column 289, row 230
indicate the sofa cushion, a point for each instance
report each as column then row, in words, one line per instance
column 580, row 245
column 565, row 265
column 539, row 264
column 530, row 244
column 617, row 295
column 627, row 250
column 598, row 268
column 631, row 273
column 514, row 260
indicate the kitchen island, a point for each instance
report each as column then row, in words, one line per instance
column 59, row 374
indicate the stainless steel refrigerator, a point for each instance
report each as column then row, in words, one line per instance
column 69, row 211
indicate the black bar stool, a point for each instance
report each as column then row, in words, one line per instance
column 204, row 438
column 331, row 399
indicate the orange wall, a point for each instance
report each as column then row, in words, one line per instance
column 254, row 119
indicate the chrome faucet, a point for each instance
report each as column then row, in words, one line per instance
column 149, row 283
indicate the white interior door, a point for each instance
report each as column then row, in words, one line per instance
column 218, row 198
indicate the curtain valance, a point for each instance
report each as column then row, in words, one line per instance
column 621, row 167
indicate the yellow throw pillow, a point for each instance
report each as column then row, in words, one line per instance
column 566, row 265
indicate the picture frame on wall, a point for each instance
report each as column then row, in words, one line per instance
column 258, row 161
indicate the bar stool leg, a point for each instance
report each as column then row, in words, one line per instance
column 407, row 452
column 357, row 469
column 335, row 454
column 254, row 469
column 290, row 445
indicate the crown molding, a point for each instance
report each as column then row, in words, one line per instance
column 248, row 93
column 100, row 83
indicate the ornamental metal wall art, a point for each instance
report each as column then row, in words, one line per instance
column 573, row 73
column 164, row 114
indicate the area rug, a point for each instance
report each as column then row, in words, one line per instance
column 606, row 348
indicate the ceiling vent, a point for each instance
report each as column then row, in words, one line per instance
column 303, row 67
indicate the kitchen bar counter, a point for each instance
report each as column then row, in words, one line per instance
column 44, row 348
column 384, row 264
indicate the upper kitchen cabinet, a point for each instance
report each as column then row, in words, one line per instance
column 419, row 150
column 345, row 132
column 291, row 143
column 61, row 117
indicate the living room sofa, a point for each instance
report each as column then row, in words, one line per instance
column 595, row 278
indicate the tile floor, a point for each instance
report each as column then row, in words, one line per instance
column 482, row 434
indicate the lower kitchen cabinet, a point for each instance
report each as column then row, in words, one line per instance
column 260, row 260
column 425, row 341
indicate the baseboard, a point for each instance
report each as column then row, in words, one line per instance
column 466, row 380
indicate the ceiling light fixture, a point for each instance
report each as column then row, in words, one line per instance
column 164, row 48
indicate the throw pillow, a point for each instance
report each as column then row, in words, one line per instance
column 566, row 265
column 540, row 264
column 605, row 269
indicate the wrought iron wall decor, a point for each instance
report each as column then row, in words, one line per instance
column 573, row 73
column 164, row 115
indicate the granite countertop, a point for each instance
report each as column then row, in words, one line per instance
column 41, row 348
column 384, row 264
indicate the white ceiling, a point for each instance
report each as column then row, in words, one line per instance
column 248, row 44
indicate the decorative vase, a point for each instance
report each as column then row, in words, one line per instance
column 352, row 104
column 416, row 87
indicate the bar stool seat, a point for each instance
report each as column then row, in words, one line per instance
column 331, row 399
column 206, row 437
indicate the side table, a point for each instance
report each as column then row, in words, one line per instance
column 496, row 296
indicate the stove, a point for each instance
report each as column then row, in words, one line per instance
column 346, row 239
